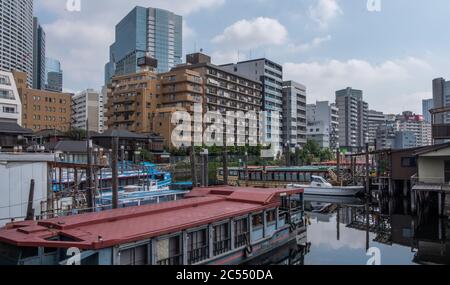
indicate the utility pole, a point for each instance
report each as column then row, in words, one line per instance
column 246, row 169
column 338, row 165
column 90, row 194
column 288, row 155
column 193, row 167
column 115, row 173
column 30, row 210
column 225, row 166
column 297, row 155
column 367, row 170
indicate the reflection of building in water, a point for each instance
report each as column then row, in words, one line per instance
column 345, row 215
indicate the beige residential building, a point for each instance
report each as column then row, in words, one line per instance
column 43, row 110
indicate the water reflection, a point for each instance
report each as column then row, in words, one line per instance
column 340, row 232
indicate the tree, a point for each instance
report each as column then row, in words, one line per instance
column 312, row 152
column 76, row 134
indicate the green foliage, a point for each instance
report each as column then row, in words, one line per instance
column 312, row 153
column 76, row 134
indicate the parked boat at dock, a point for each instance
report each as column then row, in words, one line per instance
column 319, row 186
column 218, row 225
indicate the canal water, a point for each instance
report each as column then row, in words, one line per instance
column 383, row 231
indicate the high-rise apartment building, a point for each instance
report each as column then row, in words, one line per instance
column 88, row 106
column 410, row 122
column 294, row 114
column 38, row 55
column 353, row 119
column 376, row 119
column 270, row 74
column 16, row 37
column 427, row 105
column 41, row 109
column 53, row 75
column 441, row 98
column 143, row 32
column 323, row 124
column 10, row 104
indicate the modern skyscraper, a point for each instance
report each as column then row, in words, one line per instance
column 16, row 37
column 270, row 74
column 427, row 105
column 353, row 119
column 53, row 75
column 294, row 114
column 323, row 124
column 88, row 105
column 145, row 32
column 441, row 98
column 38, row 55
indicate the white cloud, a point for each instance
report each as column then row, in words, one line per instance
column 315, row 43
column 225, row 57
column 81, row 40
column 254, row 33
column 390, row 86
column 324, row 11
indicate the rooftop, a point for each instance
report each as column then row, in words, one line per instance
column 14, row 128
column 120, row 226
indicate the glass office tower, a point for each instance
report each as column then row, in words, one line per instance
column 145, row 31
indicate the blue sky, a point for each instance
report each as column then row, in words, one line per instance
column 392, row 55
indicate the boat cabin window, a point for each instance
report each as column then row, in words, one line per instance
column 242, row 175
column 198, row 246
column 271, row 216
column 169, row 251
column 134, row 256
column 233, row 173
column 307, row 177
column 288, row 176
column 317, row 180
column 222, row 239
column 257, row 221
column 241, row 233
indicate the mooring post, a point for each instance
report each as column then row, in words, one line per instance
column 30, row 210
column 115, row 173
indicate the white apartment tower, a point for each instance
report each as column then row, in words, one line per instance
column 88, row 104
column 323, row 124
column 16, row 36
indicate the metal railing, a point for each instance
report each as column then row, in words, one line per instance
column 222, row 246
column 173, row 260
column 198, row 254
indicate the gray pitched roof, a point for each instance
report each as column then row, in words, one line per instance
column 112, row 133
column 13, row 128
column 72, row 146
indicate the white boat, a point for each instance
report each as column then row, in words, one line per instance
column 319, row 186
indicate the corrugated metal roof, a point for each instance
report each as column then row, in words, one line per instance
column 110, row 228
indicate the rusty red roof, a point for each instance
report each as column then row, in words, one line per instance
column 114, row 227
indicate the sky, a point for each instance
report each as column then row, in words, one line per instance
column 392, row 51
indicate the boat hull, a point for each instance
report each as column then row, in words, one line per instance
column 334, row 191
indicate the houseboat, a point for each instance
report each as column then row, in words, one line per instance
column 275, row 176
column 213, row 226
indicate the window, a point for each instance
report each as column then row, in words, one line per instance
column 4, row 80
column 198, row 249
column 6, row 94
column 271, row 216
column 134, row 256
column 9, row 110
column 169, row 251
column 257, row 221
column 409, row 162
column 222, row 239
column 241, row 233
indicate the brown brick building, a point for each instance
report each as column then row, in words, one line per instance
column 43, row 110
